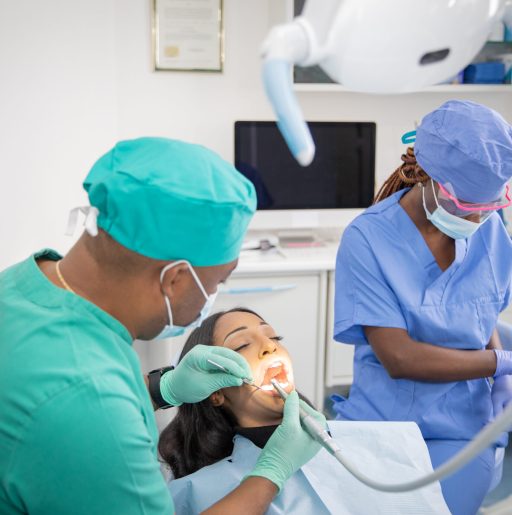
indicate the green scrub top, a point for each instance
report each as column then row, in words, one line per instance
column 77, row 429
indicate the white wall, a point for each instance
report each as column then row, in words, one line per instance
column 76, row 76
column 58, row 112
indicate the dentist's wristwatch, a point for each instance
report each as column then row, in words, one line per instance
column 154, row 387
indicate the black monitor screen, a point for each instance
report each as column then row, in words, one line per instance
column 342, row 175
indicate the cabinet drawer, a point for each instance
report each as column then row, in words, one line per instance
column 339, row 359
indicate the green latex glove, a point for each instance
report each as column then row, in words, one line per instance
column 290, row 446
column 194, row 379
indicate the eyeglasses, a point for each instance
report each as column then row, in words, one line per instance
column 452, row 204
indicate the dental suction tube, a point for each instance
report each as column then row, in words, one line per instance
column 484, row 439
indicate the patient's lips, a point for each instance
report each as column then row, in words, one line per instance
column 276, row 370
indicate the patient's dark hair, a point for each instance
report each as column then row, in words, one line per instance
column 200, row 434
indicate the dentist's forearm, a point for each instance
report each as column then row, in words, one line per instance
column 146, row 380
column 252, row 497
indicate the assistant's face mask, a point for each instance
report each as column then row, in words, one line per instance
column 453, row 226
column 171, row 330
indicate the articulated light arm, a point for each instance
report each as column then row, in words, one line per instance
column 285, row 46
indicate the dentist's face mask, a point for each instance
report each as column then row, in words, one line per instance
column 452, row 225
column 171, row 330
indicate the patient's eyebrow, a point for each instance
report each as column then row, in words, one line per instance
column 234, row 331
column 242, row 328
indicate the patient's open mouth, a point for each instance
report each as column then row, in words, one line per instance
column 276, row 370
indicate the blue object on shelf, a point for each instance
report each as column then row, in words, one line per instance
column 485, row 73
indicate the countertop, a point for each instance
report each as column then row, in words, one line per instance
column 288, row 259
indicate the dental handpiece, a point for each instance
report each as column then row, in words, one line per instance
column 220, row 367
column 310, row 424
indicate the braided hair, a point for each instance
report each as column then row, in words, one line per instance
column 407, row 174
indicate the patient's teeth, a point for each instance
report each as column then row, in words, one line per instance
column 269, row 387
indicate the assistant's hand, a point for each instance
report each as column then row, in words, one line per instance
column 289, row 447
column 194, row 379
column 503, row 362
column 501, row 393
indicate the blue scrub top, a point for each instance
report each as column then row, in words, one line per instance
column 386, row 276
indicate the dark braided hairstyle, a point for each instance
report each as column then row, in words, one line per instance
column 407, row 174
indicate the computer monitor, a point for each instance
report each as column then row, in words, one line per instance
column 337, row 186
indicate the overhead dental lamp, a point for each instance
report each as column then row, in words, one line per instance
column 373, row 46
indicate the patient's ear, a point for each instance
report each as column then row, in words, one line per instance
column 217, row 398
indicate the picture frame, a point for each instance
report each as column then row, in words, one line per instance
column 188, row 35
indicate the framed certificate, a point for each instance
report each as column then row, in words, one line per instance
column 188, row 35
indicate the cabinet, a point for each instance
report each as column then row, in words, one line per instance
column 506, row 316
column 338, row 356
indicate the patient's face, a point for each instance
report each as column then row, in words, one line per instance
column 259, row 344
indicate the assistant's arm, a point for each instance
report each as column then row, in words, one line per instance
column 368, row 310
column 406, row 358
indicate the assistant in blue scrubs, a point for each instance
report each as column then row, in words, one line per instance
column 421, row 277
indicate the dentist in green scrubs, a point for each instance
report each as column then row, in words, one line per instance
column 77, row 431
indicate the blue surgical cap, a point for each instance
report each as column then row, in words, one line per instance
column 169, row 200
column 468, row 146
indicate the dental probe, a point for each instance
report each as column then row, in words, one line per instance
column 244, row 380
column 485, row 437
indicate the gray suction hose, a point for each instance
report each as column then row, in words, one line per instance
column 484, row 439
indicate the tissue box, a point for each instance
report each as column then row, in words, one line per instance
column 484, row 73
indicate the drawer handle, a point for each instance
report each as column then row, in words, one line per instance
column 257, row 289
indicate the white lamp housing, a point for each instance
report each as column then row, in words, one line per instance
column 373, row 46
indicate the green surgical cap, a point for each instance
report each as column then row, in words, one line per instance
column 169, row 200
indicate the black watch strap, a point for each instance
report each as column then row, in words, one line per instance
column 154, row 387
